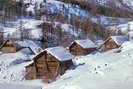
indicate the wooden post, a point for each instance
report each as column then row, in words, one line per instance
column 26, row 74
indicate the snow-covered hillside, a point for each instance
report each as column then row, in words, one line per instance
column 108, row 70
column 124, row 28
column 12, row 66
column 54, row 6
column 128, row 4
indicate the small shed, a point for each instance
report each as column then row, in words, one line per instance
column 82, row 47
column 112, row 42
column 9, row 46
column 50, row 63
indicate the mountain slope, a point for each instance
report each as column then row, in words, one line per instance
column 126, row 4
column 98, row 71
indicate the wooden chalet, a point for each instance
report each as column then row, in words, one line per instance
column 82, row 47
column 26, row 46
column 49, row 64
column 112, row 42
column 9, row 46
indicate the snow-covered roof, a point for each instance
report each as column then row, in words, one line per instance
column 119, row 40
column 60, row 53
column 17, row 86
column 26, row 51
column 86, row 43
column 29, row 43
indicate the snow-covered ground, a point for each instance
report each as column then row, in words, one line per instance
column 12, row 66
column 108, row 70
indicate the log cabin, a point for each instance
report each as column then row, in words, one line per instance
column 49, row 63
column 9, row 46
column 26, row 46
column 82, row 47
column 112, row 42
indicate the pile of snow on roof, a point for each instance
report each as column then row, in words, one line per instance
column 119, row 40
column 29, row 43
column 60, row 53
column 86, row 43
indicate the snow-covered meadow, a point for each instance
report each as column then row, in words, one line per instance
column 102, row 70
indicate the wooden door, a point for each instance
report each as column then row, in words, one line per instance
column 52, row 69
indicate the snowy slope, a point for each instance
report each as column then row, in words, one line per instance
column 108, row 70
column 128, row 4
column 17, row 86
column 125, row 28
column 54, row 6
column 12, row 66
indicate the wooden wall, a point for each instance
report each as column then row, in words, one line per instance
column 77, row 50
column 31, row 72
column 9, row 49
column 89, row 50
column 47, row 66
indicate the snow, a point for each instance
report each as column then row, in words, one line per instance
column 30, row 9
column 12, row 66
column 126, row 28
column 127, row 46
column 70, row 28
column 126, row 4
column 26, row 51
column 107, row 70
column 29, row 43
column 86, row 43
column 17, row 86
column 119, row 40
column 60, row 53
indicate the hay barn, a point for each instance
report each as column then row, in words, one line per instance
column 50, row 63
column 10, row 46
column 112, row 42
column 82, row 47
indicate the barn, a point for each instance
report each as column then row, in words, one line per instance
column 50, row 63
column 112, row 42
column 9, row 46
column 82, row 47
column 26, row 46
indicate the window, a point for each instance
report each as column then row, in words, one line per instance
column 9, row 43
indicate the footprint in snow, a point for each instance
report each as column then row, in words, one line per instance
column 70, row 87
